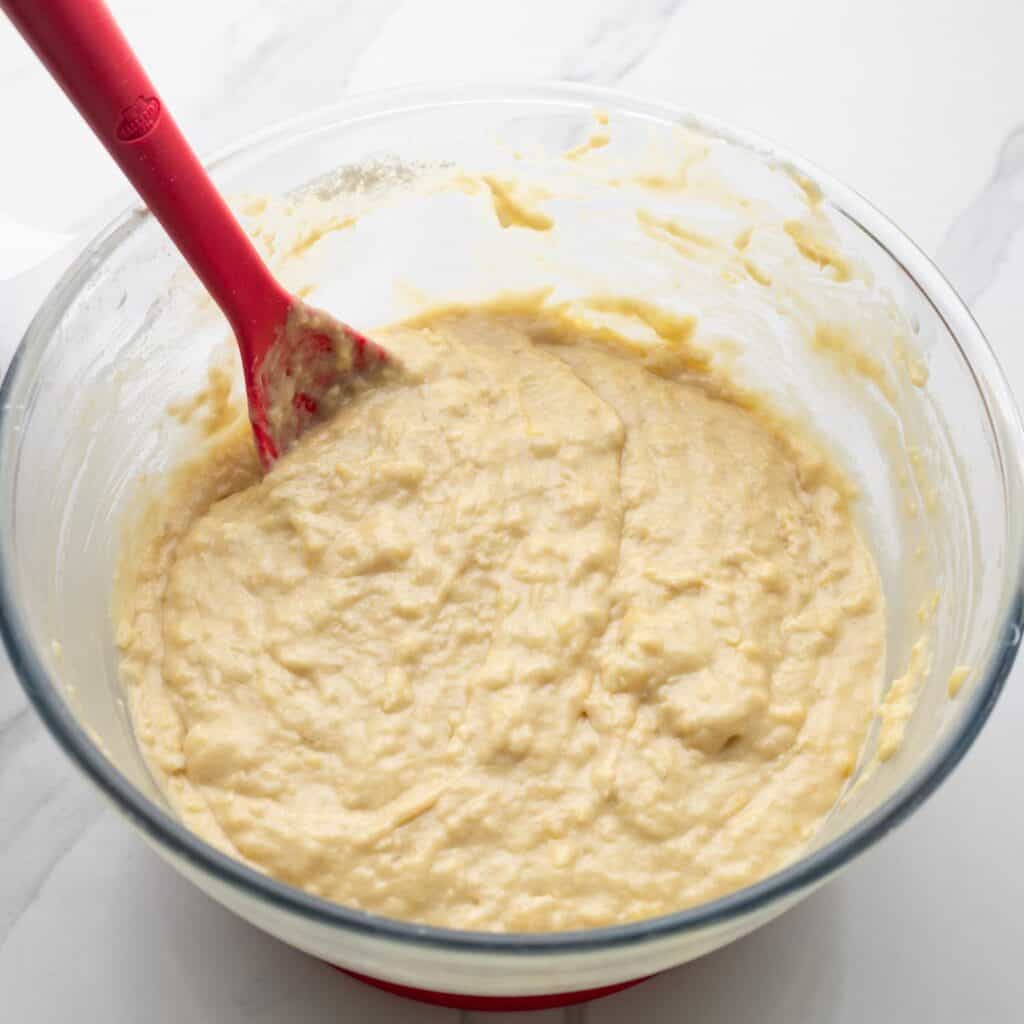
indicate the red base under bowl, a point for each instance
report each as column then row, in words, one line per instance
column 494, row 1003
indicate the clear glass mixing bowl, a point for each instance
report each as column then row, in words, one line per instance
column 83, row 416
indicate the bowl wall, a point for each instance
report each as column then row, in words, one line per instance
column 127, row 332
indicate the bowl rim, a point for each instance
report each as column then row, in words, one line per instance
column 168, row 833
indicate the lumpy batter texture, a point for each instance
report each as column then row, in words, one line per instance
column 532, row 635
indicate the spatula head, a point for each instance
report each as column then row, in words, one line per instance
column 312, row 365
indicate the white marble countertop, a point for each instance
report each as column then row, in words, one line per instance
column 917, row 103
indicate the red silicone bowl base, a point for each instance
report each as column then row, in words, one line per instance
column 494, row 1003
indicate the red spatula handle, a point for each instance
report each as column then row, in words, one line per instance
column 82, row 47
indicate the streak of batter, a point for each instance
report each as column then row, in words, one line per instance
column 533, row 636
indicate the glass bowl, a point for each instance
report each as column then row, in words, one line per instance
column 126, row 331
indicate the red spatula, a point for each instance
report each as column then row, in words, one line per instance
column 298, row 361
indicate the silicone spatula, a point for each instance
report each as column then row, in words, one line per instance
column 298, row 361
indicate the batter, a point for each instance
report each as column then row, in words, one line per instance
column 533, row 635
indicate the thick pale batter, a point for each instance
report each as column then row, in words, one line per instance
column 533, row 636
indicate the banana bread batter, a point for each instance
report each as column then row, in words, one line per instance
column 538, row 634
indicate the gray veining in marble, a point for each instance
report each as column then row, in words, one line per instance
column 621, row 37
column 977, row 242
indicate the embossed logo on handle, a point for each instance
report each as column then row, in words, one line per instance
column 138, row 119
